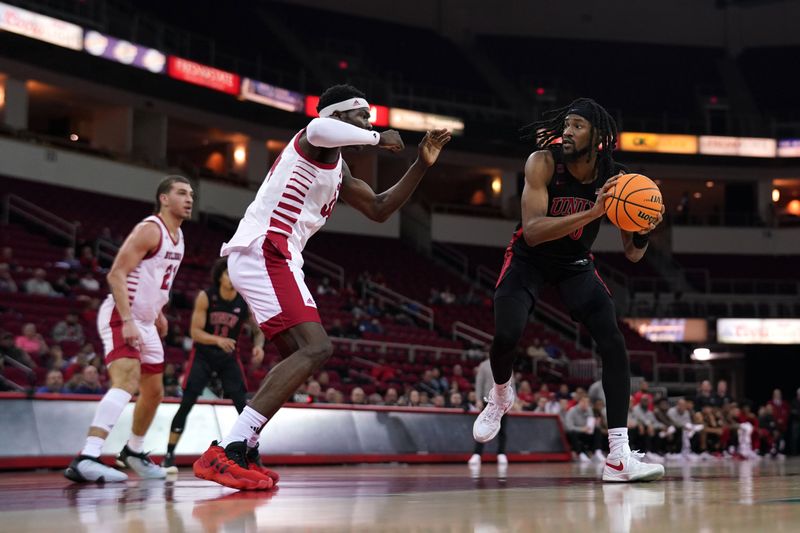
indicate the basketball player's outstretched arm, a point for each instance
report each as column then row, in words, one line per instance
column 633, row 253
column 197, row 331
column 144, row 238
column 537, row 227
column 379, row 207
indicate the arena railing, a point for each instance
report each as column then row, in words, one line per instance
column 53, row 224
column 471, row 334
column 325, row 267
column 405, row 304
column 411, row 350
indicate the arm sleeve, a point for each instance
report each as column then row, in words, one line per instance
column 332, row 133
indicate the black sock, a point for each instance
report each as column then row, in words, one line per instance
column 171, row 448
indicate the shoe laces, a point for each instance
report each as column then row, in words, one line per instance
column 492, row 412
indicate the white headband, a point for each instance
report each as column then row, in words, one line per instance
column 345, row 105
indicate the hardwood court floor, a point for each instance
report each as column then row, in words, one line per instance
column 707, row 497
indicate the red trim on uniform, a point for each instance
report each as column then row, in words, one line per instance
column 153, row 253
column 325, row 166
column 175, row 242
column 290, row 208
column 274, row 222
column 294, row 310
column 120, row 350
column 188, row 370
column 152, row 368
column 308, row 168
column 596, row 273
column 301, row 193
column 508, row 257
column 292, row 198
column 309, row 180
column 300, row 183
column 311, row 175
column 291, row 219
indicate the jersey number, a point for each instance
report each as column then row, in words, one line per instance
column 328, row 208
column 575, row 235
column 221, row 331
column 165, row 284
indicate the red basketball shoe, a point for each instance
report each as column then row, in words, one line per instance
column 254, row 463
column 229, row 467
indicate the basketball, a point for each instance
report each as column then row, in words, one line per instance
column 635, row 202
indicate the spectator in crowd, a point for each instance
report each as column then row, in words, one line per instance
column 430, row 384
column 391, row 396
column 325, row 288
column 644, row 391
column 721, row 397
column 66, row 284
column 583, row 434
column 88, row 382
column 324, row 379
column 711, row 434
column 771, row 435
column 87, row 259
column 336, row 329
column 53, row 382
column 438, row 400
column 172, row 385
column 703, row 396
column 89, row 314
column 314, row 391
column 448, row 297
column 69, row 261
column 647, row 429
column 444, row 385
column 525, row 395
column 681, row 416
column 7, row 258
column 353, row 330
column 780, row 410
column 31, row 342
column 536, row 350
column 414, row 399
column 459, row 379
column 794, row 417
column 669, row 435
column 7, row 283
column 472, row 401
column 455, row 400
column 39, row 285
column 375, row 399
column 425, row 399
column 89, row 283
column 357, row 396
column 333, row 395
column 539, row 407
column 69, row 329
column 54, row 360
column 9, row 350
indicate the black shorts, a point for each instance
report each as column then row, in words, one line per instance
column 580, row 287
column 204, row 363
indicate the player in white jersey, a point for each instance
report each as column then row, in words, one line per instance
column 131, row 324
column 265, row 261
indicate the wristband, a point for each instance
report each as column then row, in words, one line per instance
column 640, row 241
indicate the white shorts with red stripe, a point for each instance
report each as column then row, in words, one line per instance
column 272, row 285
column 109, row 325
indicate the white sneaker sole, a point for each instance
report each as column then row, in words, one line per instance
column 654, row 475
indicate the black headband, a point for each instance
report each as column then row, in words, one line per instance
column 583, row 109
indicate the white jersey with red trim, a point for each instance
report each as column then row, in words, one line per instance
column 295, row 200
column 150, row 282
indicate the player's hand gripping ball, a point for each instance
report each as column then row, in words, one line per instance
column 635, row 203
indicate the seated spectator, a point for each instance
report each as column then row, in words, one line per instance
column 172, row 385
column 54, row 360
column 459, row 379
column 88, row 382
column 358, row 397
column 31, row 342
column 428, row 384
column 644, row 392
column 373, row 308
column 38, row 284
column 526, row 396
column 713, row 429
column 721, row 397
column 455, row 400
column 448, row 297
column 681, row 416
column 438, row 401
column 53, row 383
column 780, row 410
column 87, row 260
column 472, row 401
column 336, row 329
column 370, row 325
column 375, row 399
column 7, row 258
column 89, row 283
column 771, row 435
column 331, row 395
column 391, row 396
column 414, row 399
column 536, row 350
column 69, row 261
column 539, row 407
column 314, row 391
column 325, row 288
column 10, row 351
column 670, row 435
column 425, row 399
column 323, row 378
column 353, row 330
column 439, row 378
column 647, row 428
column 703, row 396
column 69, row 329
column 67, row 283
column 584, row 435
column 7, row 283
column 382, row 372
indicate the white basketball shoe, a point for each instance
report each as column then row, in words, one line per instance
column 487, row 425
column 629, row 467
column 86, row 468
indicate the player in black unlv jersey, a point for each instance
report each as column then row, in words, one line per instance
column 566, row 184
column 219, row 313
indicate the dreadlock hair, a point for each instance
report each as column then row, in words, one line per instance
column 551, row 127
column 219, row 268
column 338, row 93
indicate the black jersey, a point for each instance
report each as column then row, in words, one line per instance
column 224, row 318
column 566, row 196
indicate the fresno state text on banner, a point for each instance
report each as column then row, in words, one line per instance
column 199, row 74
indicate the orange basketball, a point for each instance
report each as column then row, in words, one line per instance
column 635, row 202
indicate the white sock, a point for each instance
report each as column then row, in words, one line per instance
column 618, row 442
column 246, row 426
column 502, row 389
column 93, row 446
column 252, row 442
column 136, row 443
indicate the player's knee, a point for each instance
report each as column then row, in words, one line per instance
column 320, row 351
column 505, row 340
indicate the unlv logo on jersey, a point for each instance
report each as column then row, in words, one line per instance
column 568, row 205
